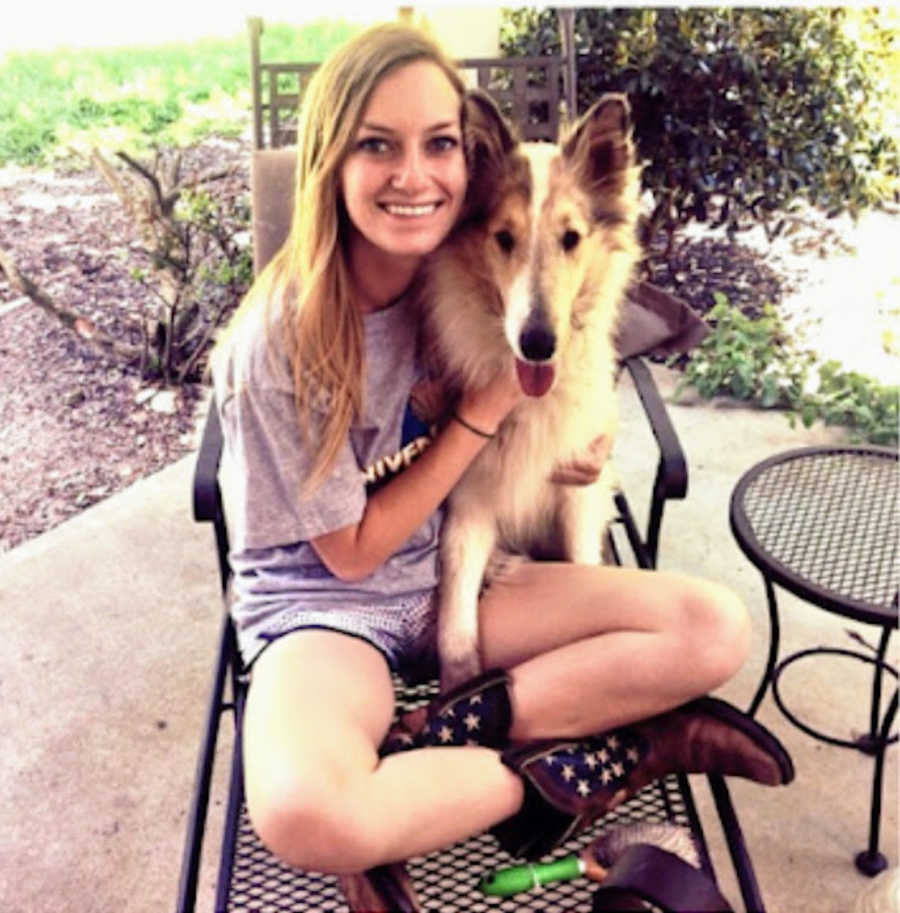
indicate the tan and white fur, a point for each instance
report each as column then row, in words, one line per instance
column 536, row 272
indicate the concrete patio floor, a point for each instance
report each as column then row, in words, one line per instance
column 107, row 632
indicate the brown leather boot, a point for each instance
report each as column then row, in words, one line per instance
column 385, row 889
column 569, row 784
column 477, row 712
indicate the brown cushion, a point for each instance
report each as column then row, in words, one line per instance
column 272, row 190
column 653, row 321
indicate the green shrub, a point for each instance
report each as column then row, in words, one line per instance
column 740, row 112
column 759, row 361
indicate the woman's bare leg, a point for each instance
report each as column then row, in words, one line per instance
column 588, row 649
column 591, row 648
column 318, row 708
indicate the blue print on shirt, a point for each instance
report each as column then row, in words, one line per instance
column 415, row 436
column 413, row 426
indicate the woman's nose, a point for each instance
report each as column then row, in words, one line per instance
column 411, row 174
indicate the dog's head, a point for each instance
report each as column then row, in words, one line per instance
column 550, row 229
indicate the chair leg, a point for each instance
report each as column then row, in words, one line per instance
column 734, row 837
column 876, row 684
column 187, row 889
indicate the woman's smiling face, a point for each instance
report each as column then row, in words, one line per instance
column 404, row 180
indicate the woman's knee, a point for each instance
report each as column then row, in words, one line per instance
column 307, row 762
column 718, row 626
column 312, row 822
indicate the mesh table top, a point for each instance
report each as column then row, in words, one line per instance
column 823, row 523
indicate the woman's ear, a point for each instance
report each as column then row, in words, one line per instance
column 599, row 144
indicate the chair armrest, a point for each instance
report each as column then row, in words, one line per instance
column 672, row 475
column 671, row 480
column 207, row 495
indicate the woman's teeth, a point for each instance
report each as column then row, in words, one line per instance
column 411, row 211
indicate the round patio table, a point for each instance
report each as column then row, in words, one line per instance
column 821, row 522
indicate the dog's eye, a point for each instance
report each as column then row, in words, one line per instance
column 506, row 241
column 570, row 239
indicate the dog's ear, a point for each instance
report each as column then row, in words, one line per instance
column 487, row 134
column 600, row 146
column 489, row 141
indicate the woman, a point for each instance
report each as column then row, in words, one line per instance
column 334, row 581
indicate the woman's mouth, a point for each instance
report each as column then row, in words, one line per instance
column 410, row 211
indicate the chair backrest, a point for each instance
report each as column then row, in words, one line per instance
column 272, row 174
column 528, row 90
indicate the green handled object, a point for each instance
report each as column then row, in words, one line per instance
column 593, row 861
column 506, row 882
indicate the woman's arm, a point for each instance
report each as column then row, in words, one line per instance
column 398, row 509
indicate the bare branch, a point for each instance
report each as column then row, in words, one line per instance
column 73, row 321
column 209, row 176
column 201, row 347
column 111, row 176
column 148, row 176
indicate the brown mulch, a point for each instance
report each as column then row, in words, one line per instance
column 75, row 426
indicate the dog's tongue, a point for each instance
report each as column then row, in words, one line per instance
column 534, row 379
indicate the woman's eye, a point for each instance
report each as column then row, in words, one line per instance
column 443, row 143
column 570, row 239
column 506, row 240
column 374, row 145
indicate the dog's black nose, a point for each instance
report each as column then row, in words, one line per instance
column 537, row 343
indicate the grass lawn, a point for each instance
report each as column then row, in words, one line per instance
column 55, row 102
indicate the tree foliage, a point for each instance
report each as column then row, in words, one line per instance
column 740, row 113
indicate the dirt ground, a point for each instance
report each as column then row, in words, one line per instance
column 75, row 427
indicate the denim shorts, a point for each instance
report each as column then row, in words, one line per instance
column 403, row 629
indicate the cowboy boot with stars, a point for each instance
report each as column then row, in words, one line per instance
column 571, row 783
column 477, row 712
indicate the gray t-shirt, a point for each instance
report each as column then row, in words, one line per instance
column 276, row 570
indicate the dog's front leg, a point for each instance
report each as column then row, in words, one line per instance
column 467, row 541
column 584, row 515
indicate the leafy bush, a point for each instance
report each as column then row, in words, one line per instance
column 758, row 361
column 190, row 250
column 739, row 112
column 192, row 254
column 748, row 359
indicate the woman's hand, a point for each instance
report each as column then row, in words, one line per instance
column 585, row 469
column 486, row 407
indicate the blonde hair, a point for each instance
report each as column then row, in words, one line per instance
column 308, row 279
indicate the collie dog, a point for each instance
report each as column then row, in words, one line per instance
column 535, row 272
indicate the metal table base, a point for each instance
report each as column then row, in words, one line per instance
column 821, row 522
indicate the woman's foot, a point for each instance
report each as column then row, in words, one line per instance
column 569, row 784
column 385, row 889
